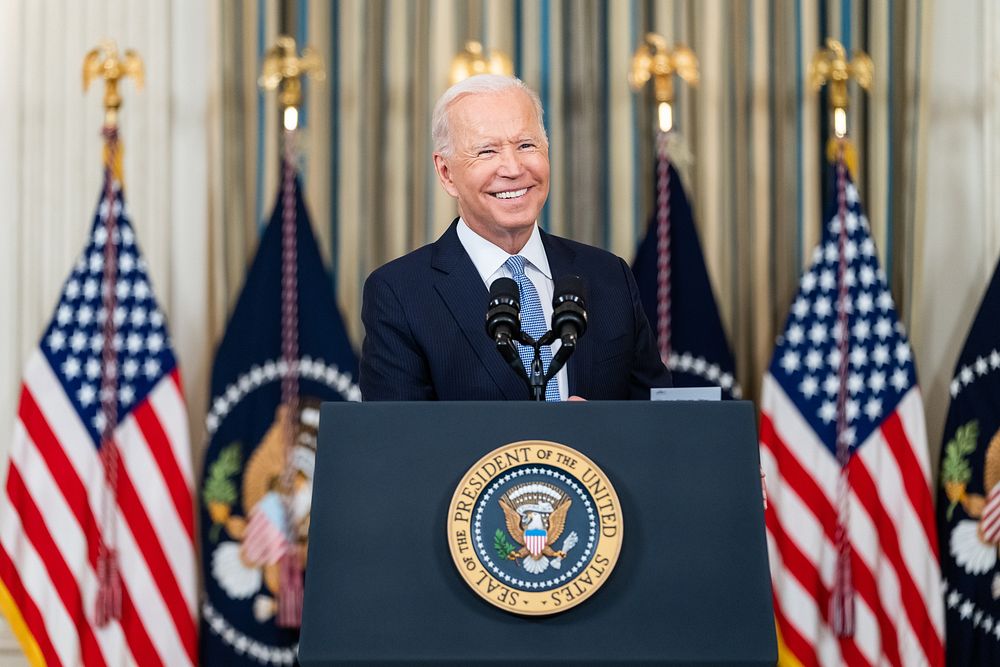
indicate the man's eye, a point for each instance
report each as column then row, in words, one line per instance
column 486, row 151
column 527, row 144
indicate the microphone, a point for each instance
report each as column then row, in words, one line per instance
column 569, row 309
column 503, row 315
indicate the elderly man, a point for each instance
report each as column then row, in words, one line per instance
column 424, row 312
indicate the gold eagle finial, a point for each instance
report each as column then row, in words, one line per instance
column 104, row 62
column 653, row 59
column 283, row 70
column 831, row 66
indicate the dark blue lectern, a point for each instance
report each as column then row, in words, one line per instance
column 691, row 585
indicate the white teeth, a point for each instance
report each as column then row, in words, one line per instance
column 513, row 194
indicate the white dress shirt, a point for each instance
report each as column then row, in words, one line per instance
column 489, row 261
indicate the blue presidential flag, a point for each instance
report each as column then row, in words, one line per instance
column 256, row 488
column 969, row 494
column 677, row 296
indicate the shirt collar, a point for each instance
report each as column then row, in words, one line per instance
column 488, row 257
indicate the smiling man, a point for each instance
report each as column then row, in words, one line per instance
column 424, row 312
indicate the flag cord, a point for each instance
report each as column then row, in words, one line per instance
column 663, row 247
column 108, row 602
column 842, row 599
column 291, row 585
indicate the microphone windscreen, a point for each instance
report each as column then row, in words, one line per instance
column 504, row 288
column 570, row 288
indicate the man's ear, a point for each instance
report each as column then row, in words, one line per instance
column 444, row 175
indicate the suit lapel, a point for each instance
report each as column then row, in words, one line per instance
column 462, row 289
column 562, row 262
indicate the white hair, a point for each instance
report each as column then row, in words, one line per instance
column 475, row 85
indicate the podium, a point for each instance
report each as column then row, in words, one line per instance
column 691, row 585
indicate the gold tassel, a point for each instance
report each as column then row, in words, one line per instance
column 833, row 149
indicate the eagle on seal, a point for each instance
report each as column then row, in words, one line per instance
column 535, row 516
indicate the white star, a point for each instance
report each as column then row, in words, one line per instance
column 71, row 367
column 831, row 385
column 883, row 328
column 817, row 255
column 127, row 236
column 90, row 289
column 100, row 236
column 817, row 333
column 996, row 631
column 99, row 422
column 808, row 282
column 790, row 361
column 827, row 281
column 138, row 316
column 954, row 387
column 85, row 315
column 861, row 330
column 902, row 352
column 994, row 359
column 830, row 253
column 859, row 357
column 122, row 289
column 853, row 408
column 127, row 394
column 96, row 262
column 151, row 367
column 864, row 222
column 899, row 380
column 833, row 358
column 851, row 192
column 988, row 624
column 698, row 367
column 966, row 375
column 800, row 308
column 130, row 368
column 795, row 335
column 140, row 290
column 822, row 307
column 92, row 368
column 726, row 381
column 868, row 248
column 134, row 343
column 814, row 359
column 876, row 382
column 880, row 355
column 97, row 343
column 981, row 366
column 126, row 263
column 57, row 340
column 873, row 408
column 855, row 383
column 72, row 289
column 953, row 599
column 686, row 358
column 809, row 387
column 965, row 611
column 977, row 617
column 120, row 314
column 156, row 319
column 827, row 412
column 865, row 303
column 866, row 275
column 64, row 315
column 850, row 253
column 86, row 394
column 884, row 301
column 78, row 340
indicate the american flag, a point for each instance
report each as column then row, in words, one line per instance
column 52, row 513
column 894, row 579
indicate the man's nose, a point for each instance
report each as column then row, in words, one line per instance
column 510, row 163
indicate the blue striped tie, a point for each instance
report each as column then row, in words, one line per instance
column 533, row 323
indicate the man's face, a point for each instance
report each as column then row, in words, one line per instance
column 499, row 166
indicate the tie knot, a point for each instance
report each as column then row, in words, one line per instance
column 515, row 265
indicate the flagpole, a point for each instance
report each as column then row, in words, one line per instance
column 283, row 70
column 103, row 62
column 654, row 61
column 830, row 66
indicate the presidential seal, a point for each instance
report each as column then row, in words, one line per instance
column 535, row 527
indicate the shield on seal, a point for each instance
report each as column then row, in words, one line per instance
column 535, row 540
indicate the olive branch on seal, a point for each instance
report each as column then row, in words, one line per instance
column 500, row 544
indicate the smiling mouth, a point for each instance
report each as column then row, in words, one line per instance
column 511, row 194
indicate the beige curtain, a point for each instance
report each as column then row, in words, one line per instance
column 755, row 131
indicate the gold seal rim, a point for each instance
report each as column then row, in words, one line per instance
column 533, row 604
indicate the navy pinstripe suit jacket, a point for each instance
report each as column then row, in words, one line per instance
column 425, row 339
